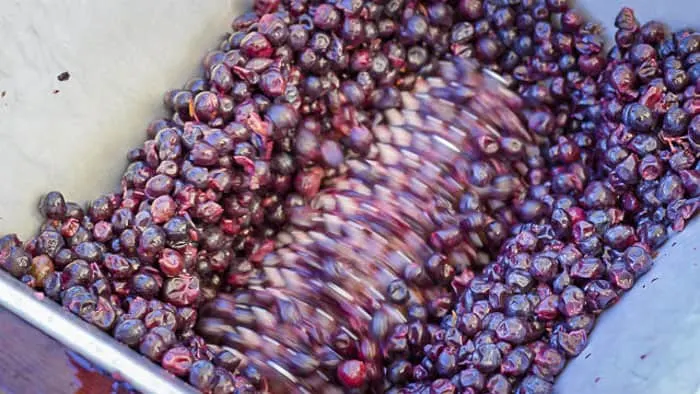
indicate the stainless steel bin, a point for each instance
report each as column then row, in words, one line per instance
column 122, row 55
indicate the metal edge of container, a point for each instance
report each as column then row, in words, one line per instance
column 81, row 337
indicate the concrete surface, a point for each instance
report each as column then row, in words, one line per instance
column 122, row 55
